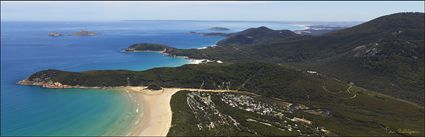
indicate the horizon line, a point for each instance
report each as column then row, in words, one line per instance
column 135, row 20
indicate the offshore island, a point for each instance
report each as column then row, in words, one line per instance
column 78, row 33
column 349, row 81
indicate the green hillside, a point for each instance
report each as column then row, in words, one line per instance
column 354, row 110
column 385, row 54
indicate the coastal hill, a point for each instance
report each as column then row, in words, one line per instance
column 253, row 36
column 353, row 109
column 385, row 54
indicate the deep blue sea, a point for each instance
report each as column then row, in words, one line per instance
column 27, row 48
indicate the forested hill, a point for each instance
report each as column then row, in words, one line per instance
column 385, row 54
column 354, row 111
column 253, row 36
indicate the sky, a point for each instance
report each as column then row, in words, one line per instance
column 207, row 10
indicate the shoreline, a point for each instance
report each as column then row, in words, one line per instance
column 190, row 60
column 153, row 112
column 156, row 115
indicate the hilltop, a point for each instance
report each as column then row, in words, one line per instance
column 253, row 36
column 385, row 54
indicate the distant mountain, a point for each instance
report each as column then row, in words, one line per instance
column 255, row 36
column 385, row 54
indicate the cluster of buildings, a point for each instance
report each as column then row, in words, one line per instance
column 284, row 112
column 248, row 103
column 206, row 113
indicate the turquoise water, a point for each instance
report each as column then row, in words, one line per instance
column 26, row 48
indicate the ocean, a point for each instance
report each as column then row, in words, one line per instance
column 26, row 48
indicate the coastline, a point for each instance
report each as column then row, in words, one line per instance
column 208, row 46
column 305, row 26
column 190, row 60
column 156, row 115
column 153, row 112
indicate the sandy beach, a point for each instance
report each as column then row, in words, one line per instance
column 156, row 115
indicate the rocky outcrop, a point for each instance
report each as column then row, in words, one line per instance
column 49, row 84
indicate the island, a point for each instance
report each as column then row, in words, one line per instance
column 219, row 29
column 215, row 33
column 211, row 33
column 84, row 33
column 79, row 33
column 55, row 34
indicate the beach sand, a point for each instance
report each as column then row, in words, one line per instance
column 156, row 114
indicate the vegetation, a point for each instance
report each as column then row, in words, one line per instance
column 385, row 54
column 147, row 47
column 365, row 110
column 255, row 36
column 367, row 115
